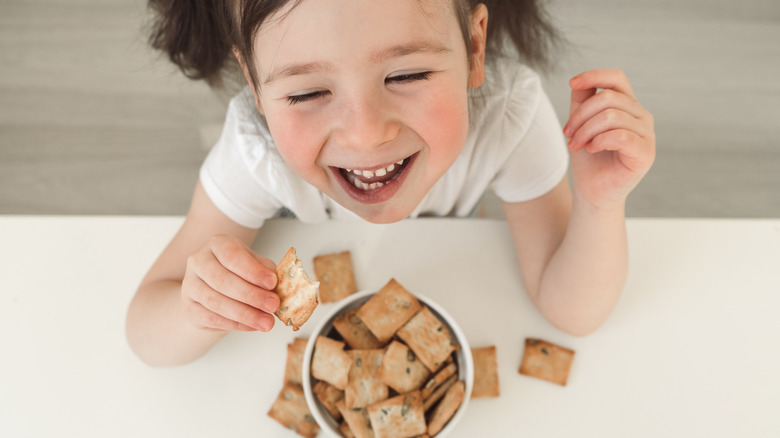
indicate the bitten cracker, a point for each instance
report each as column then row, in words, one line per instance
column 428, row 337
column 447, row 407
column 363, row 386
column 330, row 362
column 355, row 333
column 329, row 395
column 401, row 370
column 291, row 411
column 294, row 367
column 388, row 310
column 546, row 361
column 400, row 416
column 297, row 291
column 485, row 372
column 336, row 276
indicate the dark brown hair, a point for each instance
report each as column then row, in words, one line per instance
column 199, row 35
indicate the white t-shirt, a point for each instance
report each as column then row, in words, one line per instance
column 514, row 147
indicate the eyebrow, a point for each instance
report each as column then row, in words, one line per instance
column 398, row 51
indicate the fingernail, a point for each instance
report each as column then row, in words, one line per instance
column 574, row 81
column 572, row 144
column 271, row 304
column 567, row 131
column 269, row 282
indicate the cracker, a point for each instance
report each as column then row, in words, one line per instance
column 447, row 407
column 447, row 370
column 355, row 333
column 398, row 417
column 336, row 276
column 330, row 362
column 439, row 392
column 485, row 372
column 546, row 361
column 364, row 387
column 291, row 411
column 401, row 370
column 428, row 337
column 293, row 371
column 345, row 430
column 357, row 420
column 388, row 310
column 329, row 395
column 297, row 291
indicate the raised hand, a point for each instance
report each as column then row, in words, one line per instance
column 612, row 138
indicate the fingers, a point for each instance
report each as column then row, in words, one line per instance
column 210, row 308
column 607, row 120
column 605, row 79
column 228, row 287
column 240, row 260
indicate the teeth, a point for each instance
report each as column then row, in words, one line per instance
column 382, row 171
column 368, row 174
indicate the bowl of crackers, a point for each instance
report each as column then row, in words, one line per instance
column 387, row 364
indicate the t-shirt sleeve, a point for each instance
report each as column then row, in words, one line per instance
column 236, row 170
column 539, row 159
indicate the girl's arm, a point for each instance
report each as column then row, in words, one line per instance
column 571, row 245
column 572, row 259
column 206, row 283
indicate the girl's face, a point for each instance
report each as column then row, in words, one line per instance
column 366, row 100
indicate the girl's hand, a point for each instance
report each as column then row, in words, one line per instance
column 228, row 287
column 612, row 139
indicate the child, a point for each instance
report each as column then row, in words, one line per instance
column 383, row 110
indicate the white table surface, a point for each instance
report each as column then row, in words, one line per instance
column 692, row 349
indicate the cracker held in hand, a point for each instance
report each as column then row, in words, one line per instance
column 297, row 291
column 388, row 310
column 291, row 411
column 485, row 372
column 546, row 361
column 336, row 276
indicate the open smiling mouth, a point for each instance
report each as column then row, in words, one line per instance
column 374, row 185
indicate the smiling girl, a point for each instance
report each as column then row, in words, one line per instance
column 380, row 110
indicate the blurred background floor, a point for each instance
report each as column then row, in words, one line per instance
column 93, row 122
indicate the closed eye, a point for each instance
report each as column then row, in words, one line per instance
column 409, row 77
column 299, row 98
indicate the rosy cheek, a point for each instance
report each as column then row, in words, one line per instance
column 296, row 142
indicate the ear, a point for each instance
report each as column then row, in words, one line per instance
column 249, row 80
column 479, row 21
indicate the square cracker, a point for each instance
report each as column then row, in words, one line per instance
column 428, row 337
column 446, row 407
column 485, row 372
column 401, row 370
column 329, row 395
column 363, row 386
column 388, row 310
column 546, row 361
column 330, row 362
column 357, row 420
column 297, row 291
column 291, row 411
column 400, row 416
column 336, row 276
column 293, row 371
column 355, row 333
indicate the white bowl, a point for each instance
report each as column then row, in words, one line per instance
column 463, row 359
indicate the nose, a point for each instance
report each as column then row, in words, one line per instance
column 366, row 120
